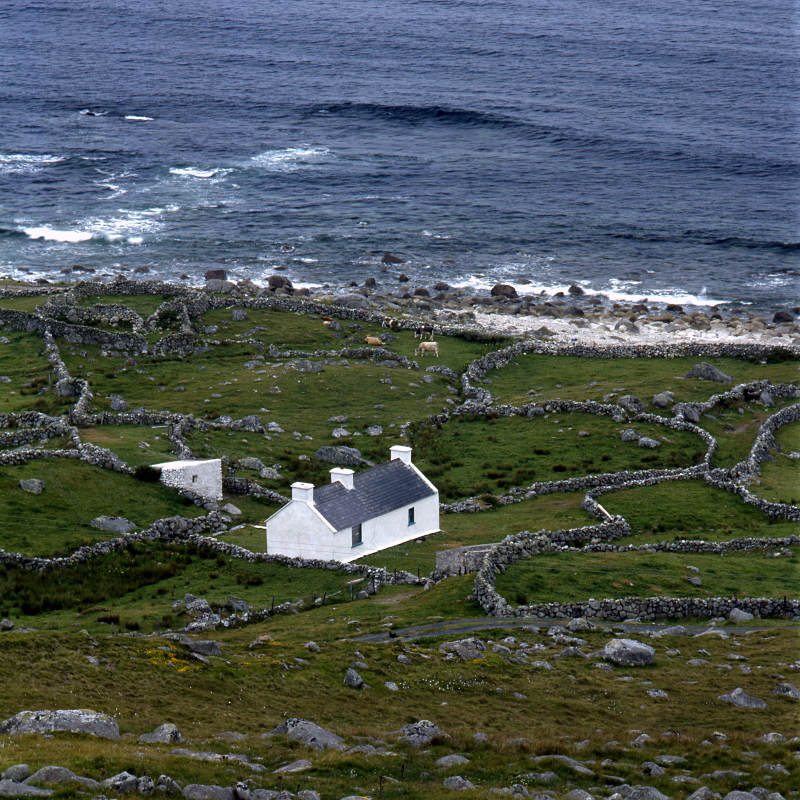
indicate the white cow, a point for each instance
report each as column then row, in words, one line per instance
column 423, row 348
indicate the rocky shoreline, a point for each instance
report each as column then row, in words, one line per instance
column 572, row 316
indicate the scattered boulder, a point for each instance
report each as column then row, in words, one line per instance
column 113, row 524
column 782, row 316
column 198, row 791
column 340, row 455
column 628, row 653
column 465, row 649
column 456, row 783
column 663, row 399
column 631, row 403
column 16, row 772
column 13, row 789
column 118, row 403
column 738, row 615
column 629, row 435
column 646, row 441
column 295, row 766
column 31, row 485
column 308, row 734
column 278, row 282
column 67, row 720
column 706, row 372
column 454, row 759
column 739, row 698
column 787, row 689
column 390, row 258
column 167, row 785
column 55, row 775
column 163, row 734
column 421, row 733
column 239, row 315
column 504, row 290
column 353, row 679
column 6, row 624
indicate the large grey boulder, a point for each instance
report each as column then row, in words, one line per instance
column 646, row 441
column 199, row 791
column 457, row 784
column 6, row 624
column 629, row 435
column 705, row 372
column 739, row 698
column 54, row 775
column 353, row 679
column 739, row 615
column 68, row 720
column 340, row 455
column 250, row 462
column 113, row 524
column 123, row 782
column 663, row 399
column 454, row 759
column 465, row 649
column 206, row 647
column 31, row 485
column 163, row 734
column 16, row 772
column 421, row 733
column 119, row 403
column 628, row 653
column 787, row 690
column 308, row 734
column 167, row 785
column 13, row 789
column 251, row 422
column 631, row 403
column 646, row 793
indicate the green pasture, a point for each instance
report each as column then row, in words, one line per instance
column 126, row 440
column 477, row 456
column 780, row 479
column 31, row 386
column 134, row 588
column 691, row 510
column 575, row 576
column 294, row 331
column 143, row 304
column 22, row 303
column 56, row 521
column 536, row 378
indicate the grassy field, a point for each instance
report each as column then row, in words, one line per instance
column 780, row 479
column 690, row 510
column 53, row 523
column 563, row 577
column 538, row 378
column 477, row 456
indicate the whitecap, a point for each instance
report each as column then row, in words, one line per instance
column 87, row 112
column 193, row 172
column 289, row 158
column 53, row 235
column 138, row 118
column 11, row 163
column 135, row 239
column 307, row 260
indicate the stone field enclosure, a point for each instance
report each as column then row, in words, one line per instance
column 634, row 492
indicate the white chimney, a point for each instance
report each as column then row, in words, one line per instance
column 304, row 492
column 344, row 476
column 400, row 451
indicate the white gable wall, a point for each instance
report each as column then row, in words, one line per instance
column 201, row 477
column 298, row 530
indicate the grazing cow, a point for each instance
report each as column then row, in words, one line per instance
column 424, row 348
column 391, row 323
column 374, row 341
column 424, row 330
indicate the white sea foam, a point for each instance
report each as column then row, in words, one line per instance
column 137, row 118
column 289, row 158
column 194, row 172
column 20, row 163
column 54, row 235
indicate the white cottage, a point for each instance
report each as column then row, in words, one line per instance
column 355, row 515
column 201, row 477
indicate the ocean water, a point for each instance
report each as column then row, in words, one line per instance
column 639, row 149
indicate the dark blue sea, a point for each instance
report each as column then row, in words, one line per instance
column 641, row 149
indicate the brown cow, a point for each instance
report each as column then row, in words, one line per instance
column 374, row 341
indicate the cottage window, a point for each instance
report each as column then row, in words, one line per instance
column 194, row 478
column 357, row 535
column 411, row 519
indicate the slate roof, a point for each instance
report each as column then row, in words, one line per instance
column 375, row 491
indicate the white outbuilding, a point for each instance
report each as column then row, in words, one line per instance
column 201, row 477
column 356, row 514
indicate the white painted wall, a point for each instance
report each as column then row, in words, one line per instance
column 298, row 531
column 201, row 477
